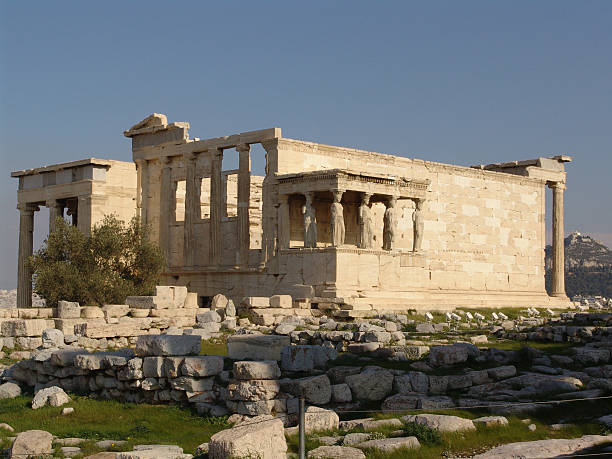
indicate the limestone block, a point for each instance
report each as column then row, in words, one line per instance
column 391, row 444
column 219, row 301
column 115, row 310
column 256, row 347
column 165, row 292
column 341, row 393
column 317, row 419
column 131, row 371
column 92, row 312
column 209, row 316
column 180, row 295
column 281, row 301
column 372, row 384
column 315, row 389
column 257, row 302
column 97, row 330
column 191, row 300
column 441, row 422
column 52, row 396
column 32, row 443
column 203, row 365
column 68, row 310
column 261, row 318
column 141, row 313
column 149, row 302
column 253, row 390
column 27, row 313
column 256, row 370
column 336, row 452
column 447, row 355
column 491, row 421
column 165, row 345
column 230, row 309
column 152, row 367
column 66, row 326
column 66, row 357
column 9, row 390
column 185, row 383
column 23, row 327
column 546, row 448
column 303, row 358
column 262, row 437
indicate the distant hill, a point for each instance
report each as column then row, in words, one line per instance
column 588, row 266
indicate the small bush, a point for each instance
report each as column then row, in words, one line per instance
column 115, row 261
column 423, row 433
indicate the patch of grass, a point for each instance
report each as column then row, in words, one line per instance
column 425, row 434
column 516, row 345
column 214, row 347
column 111, row 420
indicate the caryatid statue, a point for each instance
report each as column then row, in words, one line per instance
column 365, row 222
column 310, row 222
column 337, row 220
column 390, row 224
column 417, row 225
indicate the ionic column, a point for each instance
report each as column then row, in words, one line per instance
column 84, row 214
column 142, row 196
column 56, row 209
column 216, row 191
column 192, row 210
column 558, row 245
column 26, row 248
column 284, row 222
column 165, row 205
column 244, row 198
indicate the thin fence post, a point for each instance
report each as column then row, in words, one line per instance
column 302, row 429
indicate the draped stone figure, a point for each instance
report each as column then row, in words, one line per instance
column 310, row 222
column 337, row 220
column 390, row 223
column 365, row 223
column 417, row 225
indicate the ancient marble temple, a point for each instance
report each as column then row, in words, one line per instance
column 334, row 227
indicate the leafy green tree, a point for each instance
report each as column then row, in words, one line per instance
column 115, row 261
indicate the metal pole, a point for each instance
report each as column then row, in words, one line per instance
column 302, row 429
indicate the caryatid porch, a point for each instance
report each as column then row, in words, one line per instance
column 336, row 209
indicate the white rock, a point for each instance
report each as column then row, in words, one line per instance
column 317, row 419
column 490, row 421
column 262, row 437
column 32, row 443
column 165, row 345
column 336, row 452
column 51, row 337
column 267, row 369
column 391, row 444
column 9, row 390
column 545, row 448
column 441, row 422
column 52, row 396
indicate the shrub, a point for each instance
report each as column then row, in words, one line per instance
column 115, row 261
column 424, row 434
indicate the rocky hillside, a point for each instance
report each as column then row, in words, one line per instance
column 588, row 266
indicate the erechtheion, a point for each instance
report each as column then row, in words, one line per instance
column 334, row 227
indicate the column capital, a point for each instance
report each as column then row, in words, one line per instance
column 556, row 185
column 216, row 152
column 52, row 203
column 190, row 156
column 243, row 147
column 166, row 161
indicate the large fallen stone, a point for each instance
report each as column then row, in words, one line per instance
column 154, row 452
column 203, row 365
column 441, row 422
column 52, row 337
column 9, row 390
column 315, row 389
column 256, row 347
column 23, row 327
column 52, row 396
column 256, row 370
column 253, row 390
column 447, row 355
column 317, row 419
column 336, row 452
column 371, row 385
column 68, row 310
column 545, row 448
column 490, row 421
column 262, row 437
column 391, row 444
column 32, row 443
column 302, row 358
column 165, row 345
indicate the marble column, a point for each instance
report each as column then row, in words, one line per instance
column 167, row 197
column 84, row 213
column 284, row 222
column 244, row 198
column 142, row 197
column 390, row 224
column 418, row 225
column 26, row 248
column 192, row 210
column 558, row 245
column 56, row 209
column 216, row 211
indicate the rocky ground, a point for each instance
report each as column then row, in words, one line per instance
column 390, row 385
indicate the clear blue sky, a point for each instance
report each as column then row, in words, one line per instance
column 459, row 82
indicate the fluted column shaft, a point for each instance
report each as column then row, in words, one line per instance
column 558, row 245
column 216, row 195
column 244, row 198
column 192, row 210
column 166, row 200
column 26, row 248
column 142, row 169
column 56, row 209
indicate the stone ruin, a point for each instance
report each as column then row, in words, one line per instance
column 336, row 228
